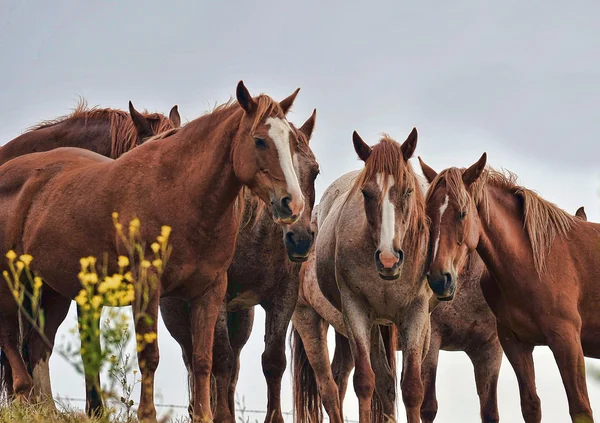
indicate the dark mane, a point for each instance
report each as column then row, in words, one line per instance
column 124, row 136
column 543, row 219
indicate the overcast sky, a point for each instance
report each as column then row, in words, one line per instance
column 517, row 79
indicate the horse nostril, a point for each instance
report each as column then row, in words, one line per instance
column 290, row 238
column 285, row 202
column 400, row 256
column 448, row 279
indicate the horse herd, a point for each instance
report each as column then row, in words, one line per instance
column 463, row 259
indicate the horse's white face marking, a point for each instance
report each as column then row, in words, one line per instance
column 388, row 213
column 279, row 131
column 443, row 208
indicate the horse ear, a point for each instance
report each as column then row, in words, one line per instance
column 474, row 172
column 142, row 125
column 581, row 213
column 245, row 99
column 429, row 173
column 308, row 127
column 408, row 147
column 174, row 116
column 361, row 148
column 286, row 103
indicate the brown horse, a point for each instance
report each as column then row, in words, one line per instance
column 370, row 253
column 543, row 264
column 109, row 132
column 261, row 273
column 57, row 205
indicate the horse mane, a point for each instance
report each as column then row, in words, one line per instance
column 543, row 220
column 386, row 157
column 123, row 134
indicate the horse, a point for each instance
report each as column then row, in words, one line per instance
column 189, row 180
column 109, row 132
column 542, row 263
column 262, row 272
column 369, row 260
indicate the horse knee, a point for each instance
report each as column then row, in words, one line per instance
column 273, row 364
column 412, row 392
column 201, row 365
column 364, row 384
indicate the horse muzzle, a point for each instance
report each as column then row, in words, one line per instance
column 442, row 285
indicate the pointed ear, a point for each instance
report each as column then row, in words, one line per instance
column 308, row 127
column 245, row 99
column 174, row 116
column 408, row 147
column 474, row 172
column 361, row 148
column 581, row 213
column 142, row 125
column 429, row 173
column 286, row 103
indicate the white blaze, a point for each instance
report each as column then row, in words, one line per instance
column 279, row 131
column 443, row 208
column 388, row 226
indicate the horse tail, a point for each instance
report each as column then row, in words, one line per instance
column 389, row 335
column 6, row 380
column 307, row 400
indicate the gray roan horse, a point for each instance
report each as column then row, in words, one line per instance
column 261, row 273
column 370, row 253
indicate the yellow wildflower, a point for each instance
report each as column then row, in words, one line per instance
column 165, row 231
column 123, row 261
column 146, row 264
column 20, row 265
column 5, row 273
column 92, row 260
column 129, row 276
column 160, row 239
column 115, row 215
column 11, row 255
column 81, row 299
column 16, row 293
column 157, row 263
column 96, row 301
column 102, row 288
column 155, row 247
column 91, row 278
column 118, row 227
column 138, row 337
column 149, row 337
column 85, row 262
column 37, row 282
column 26, row 259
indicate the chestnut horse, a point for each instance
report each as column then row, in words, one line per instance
column 109, row 132
column 57, row 205
column 543, row 263
column 370, row 253
column 261, row 273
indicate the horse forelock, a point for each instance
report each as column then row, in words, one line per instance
column 543, row 220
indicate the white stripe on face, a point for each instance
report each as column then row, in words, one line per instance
column 279, row 131
column 388, row 222
column 443, row 208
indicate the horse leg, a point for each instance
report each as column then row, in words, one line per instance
column 486, row 362
column 22, row 383
column 279, row 312
column 564, row 340
column 415, row 337
column 177, row 318
column 429, row 407
column 240, row 328
column 519, row 355
column 313, row 331
column 205, row 312
column 341, row 366
column 222, row 368
column 359, row 325
column 146, row 324
column 385, row 383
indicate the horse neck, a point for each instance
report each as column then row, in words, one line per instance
column 503, row 244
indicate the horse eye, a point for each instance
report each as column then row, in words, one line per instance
column 260, row 143
column 365, row 194
column 462, row 215
column 408, row 192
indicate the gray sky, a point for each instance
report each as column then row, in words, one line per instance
column 517, row 80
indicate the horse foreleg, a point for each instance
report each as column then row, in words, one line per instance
column 205, row 312
column 429, row 407
column 486, row 362
column 222, row 368
column 341, row 365
column 564, row 340
column 146, row 326
column 414, row 340
column 313, row 332
column 358, row 324
column 520, row 357
column 240, row 328
column 93, row 396
column 279, row 311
